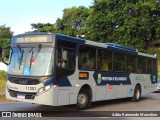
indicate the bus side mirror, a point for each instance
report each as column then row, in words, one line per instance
column 5, row 55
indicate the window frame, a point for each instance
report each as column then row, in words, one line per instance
column 111, row 60
column 131, row 55
column 58, row 70
column 78, row 54
column 139, row 56
column 66, row 48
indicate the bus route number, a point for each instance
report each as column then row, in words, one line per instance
column 30, row 88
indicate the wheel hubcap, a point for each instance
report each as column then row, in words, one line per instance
column 82, row 99
column 137, row 94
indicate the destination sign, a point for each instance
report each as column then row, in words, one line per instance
column 34, row 39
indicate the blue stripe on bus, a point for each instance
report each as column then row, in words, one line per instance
column 101, row 78
column 63, row 82
column 116, row 49
column 60, row 82
column 49, row 81
column 121, row 47
column 112, row 78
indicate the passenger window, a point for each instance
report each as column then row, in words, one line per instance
column 141, row 65
column 154, row 67
column 119, row 62
column 149, row 65
column 65, row 59
column 131, row 64
column 104, row 60
column 87, row 58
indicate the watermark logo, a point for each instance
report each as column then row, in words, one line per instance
column 20, row 114
column 6, row 114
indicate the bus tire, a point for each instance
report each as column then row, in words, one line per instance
column 137, row 94
column 83, row 99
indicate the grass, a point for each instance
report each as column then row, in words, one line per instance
column 3, row 86
column 2, row 81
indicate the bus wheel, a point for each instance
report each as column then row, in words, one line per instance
column 137, row 94
column 83, row 99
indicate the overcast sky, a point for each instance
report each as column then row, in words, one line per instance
column 19, row 14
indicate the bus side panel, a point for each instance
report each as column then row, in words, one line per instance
column 63, row 97
column 121, row 91
column 110, row 92
column 100, row 92
column 89, row 82
column 145, row 82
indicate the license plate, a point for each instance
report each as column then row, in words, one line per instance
column 20, row 96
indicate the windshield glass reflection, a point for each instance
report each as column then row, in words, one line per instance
column 31, row 61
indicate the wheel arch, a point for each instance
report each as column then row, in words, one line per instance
column 88, row 87
column 85, row 90
column 138, row 84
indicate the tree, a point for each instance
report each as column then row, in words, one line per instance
column 73, row 21
column 40, row 27
column 128, row 22
column 5, row 36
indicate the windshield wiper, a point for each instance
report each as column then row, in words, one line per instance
column 39, row 48
column 21, row 58
column 30, row 64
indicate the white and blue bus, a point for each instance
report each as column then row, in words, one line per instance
column 54, row 69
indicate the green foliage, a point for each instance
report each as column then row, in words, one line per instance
column 5, row 37
column 71, row 23
column 127, row 22
column 154, row 51
column 5, row 32
column 40, row 27
column 2, row 80
column 133, row 23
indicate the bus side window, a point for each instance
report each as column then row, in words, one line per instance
column 131, row 64
column 149, row 65
column 65, row 59
column 86, row 58
column 154, row 71
column 104, row 60
column 119, row 62
column 62, row 58
column 141, row 64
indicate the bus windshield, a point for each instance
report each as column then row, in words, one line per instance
column 31, row 61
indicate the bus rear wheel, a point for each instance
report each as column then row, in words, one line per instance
column 83, row 99
column 137, row 94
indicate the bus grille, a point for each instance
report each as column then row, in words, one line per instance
column 27, row 95
column 23, row 81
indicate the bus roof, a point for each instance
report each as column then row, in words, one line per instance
column 109, row 46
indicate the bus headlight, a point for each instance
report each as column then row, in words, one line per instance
column 43, row 89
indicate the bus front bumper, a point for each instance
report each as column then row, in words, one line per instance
column 48, row 97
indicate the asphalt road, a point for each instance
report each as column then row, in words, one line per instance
column 99, row 110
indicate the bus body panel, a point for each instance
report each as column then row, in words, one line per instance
column 50, row 96
column 105, row 85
